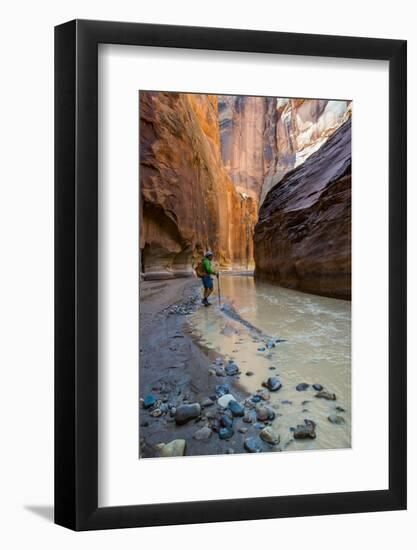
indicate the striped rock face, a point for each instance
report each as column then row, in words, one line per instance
column 188, row 201
column 303, row 235
column 262, row 138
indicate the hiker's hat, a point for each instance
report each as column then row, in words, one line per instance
column 208, row 254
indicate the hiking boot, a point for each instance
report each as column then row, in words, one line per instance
column 204, row 302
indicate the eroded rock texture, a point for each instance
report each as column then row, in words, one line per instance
column 262, row 138
column 303, row 236
column 248, row 144
column 302, row 127
column 188, row 201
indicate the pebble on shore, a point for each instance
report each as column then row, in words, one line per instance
column 270, row 436
column 336, row 419
column 225, row 399
column 306, row 430
column 272, row 384
column 202, row 434
column 326, row 395
column 185, row 413
column 253, row 445
column 173, row 448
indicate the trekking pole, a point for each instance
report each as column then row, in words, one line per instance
column 218, row 287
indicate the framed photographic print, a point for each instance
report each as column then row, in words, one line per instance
column 230, row 275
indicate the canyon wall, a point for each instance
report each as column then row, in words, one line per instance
column 262, row 138
column 303, row 236
column 188, row 203
column 248, row 144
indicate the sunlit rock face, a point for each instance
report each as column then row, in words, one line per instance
column 248, row 145
column 188, row 201
column 302, row 127
column 262, row 138
column 303, row 236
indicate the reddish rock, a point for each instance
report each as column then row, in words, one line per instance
column 188, row 201
column 247, row 131
column 302, row 126
column 303, row 236
column 262, row 138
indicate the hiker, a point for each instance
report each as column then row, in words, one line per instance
column 205, row 270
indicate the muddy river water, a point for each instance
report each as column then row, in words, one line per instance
column 314, row 347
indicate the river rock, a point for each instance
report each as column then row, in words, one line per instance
column 340, row 409
column 185, row 413
column 256, row 398
column 264, row 412
column 219, row 371
column 222, row 389
column 226, row 421
column 242, row 429
column 264, row 394
column 253, row 445
column 270, row 344
column 231, row 369
column 207, row 403
column 156, row 412
column 225, row 433
column 224, row 400
column 269, row 436
column 202, row 434
column 317, row 387
column 247, row 418
column 306, row 430
column 302, row 387
column 173, row 448
column 236, row 408
column 326, row 395
column 149, row 401
column 261, row 349
column 249, row 373
column 273, row 383
column 336, row 419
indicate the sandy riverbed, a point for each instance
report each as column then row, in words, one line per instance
column 297, row 338
column 175, row 369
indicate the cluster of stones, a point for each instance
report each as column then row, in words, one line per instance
column 222, row 411
column 222, row 420
column 308, row 429
column 186, row 307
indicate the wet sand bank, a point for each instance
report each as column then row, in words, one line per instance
column 175, row 369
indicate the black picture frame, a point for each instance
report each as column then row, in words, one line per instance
column 76, row 272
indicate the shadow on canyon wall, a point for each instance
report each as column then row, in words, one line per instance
column 210, row 165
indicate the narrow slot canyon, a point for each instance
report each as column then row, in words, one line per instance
column 262, row 182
